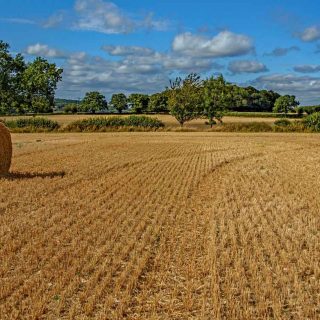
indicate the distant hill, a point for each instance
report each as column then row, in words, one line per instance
column 60, row 103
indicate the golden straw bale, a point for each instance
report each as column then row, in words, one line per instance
column 5, row 150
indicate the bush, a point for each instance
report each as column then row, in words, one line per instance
column 263, row 115
column 244, row 127
column 282, row 122
column 311, row 109
column 111, row 123
column 312, row 122
column 32, row 124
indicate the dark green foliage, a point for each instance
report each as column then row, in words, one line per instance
column 310, row 109
column 312, row 122
column 244, row 127
column 139, row 102
column 93, row 102
column 216, row 98
column 119, row 102
column 282, row 122
column 71, row 108
column 105, row 123
column 185, row 98
column 249, row 99
column 284, row 104
column 26, row 87
column 40, row 80
column 159, row 102
column 32, row 124
column 261, row 115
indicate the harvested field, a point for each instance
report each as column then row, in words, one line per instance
column 161, row 226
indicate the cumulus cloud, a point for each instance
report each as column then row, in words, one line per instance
column 246, row 66
column 306, row 88
column 84, row 73
column 279, row 52
column 101, row 16
column 44, row 50
column 107, row 17
column 127, row 50
column 310, row 34
column 307, row 68
column 139, row 69
column 224, row 44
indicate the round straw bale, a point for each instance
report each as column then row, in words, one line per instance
column 5, row 150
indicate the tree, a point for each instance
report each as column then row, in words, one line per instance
column 285, row 103
column 139, row 102
column 184, row 98
column 11, row 71
column 119, row 101
column 159, row 102
column 216, row 96
column 93, row 101
column 71, row 108
column 39, row 82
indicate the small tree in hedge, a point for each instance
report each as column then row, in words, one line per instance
column 119, row 102
column 216, row 96
column 93, row 102
column 184, row 98
column 285, row 103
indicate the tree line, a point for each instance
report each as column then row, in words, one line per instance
column 30, row 87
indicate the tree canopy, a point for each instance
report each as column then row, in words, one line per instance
column 26, row 87
column 119, row 102
column 93, row 101
column 184, row 98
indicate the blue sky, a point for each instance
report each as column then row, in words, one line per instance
column 137, row 46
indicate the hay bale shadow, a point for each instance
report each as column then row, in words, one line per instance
column 32, row 175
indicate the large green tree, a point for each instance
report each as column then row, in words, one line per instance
column 39, row 80
column 285, row 103
column 93, row 101
column 139, row 102
column 119, row 102
column 184, row 98
column 216, row 96
column 11, row 73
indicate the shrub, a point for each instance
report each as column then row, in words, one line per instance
column 311, row 109
column 5, row 150
column 282, row 122
column 244, row 127
column 312, row 122
column 32, row 124
column 262, row 115
column 111, row 123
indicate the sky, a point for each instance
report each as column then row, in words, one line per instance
column 137, row 46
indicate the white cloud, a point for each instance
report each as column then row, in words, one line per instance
column 307, row 68
column 224, row 44
column 45, row 51
column 310, row 34
column 127, row 50
column 306, row 88
column 84, row 73
column 107, row 17
column 246, row 66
